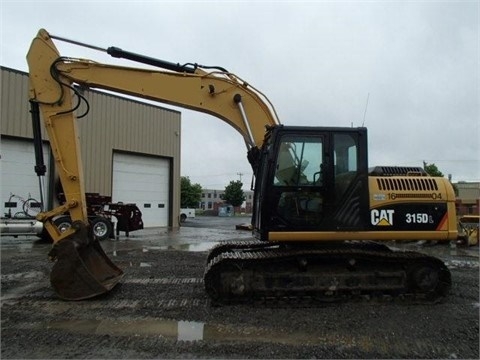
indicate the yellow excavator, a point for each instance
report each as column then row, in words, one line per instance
column 321, row 215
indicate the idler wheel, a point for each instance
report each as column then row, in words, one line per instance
column 425, row 278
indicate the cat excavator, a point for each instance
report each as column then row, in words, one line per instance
column 321, row 218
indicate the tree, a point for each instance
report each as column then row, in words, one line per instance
column 432, row 169
column 190, row 194
column 234, row 194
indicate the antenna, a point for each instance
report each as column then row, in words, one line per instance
column 365, row 113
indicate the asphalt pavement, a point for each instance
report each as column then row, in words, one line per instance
column 160, row 309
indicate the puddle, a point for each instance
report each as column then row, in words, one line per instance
column 440, row 250
column 176, row 330
column 202, row 246
column 118, row 249
column 192, row 331
column 179, row 330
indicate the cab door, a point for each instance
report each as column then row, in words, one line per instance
column 315, row 179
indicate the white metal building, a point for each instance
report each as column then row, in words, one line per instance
column 130, row 151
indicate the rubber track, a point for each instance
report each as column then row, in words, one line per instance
column 245, row 253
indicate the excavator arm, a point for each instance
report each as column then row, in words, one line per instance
column 53, row 90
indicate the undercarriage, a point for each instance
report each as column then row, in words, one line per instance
column 253, row 271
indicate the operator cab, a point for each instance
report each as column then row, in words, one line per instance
column 311, row 179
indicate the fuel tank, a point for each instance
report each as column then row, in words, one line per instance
column 15, row 227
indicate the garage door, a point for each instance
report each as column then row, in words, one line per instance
column 19, row 182
column 144, row 181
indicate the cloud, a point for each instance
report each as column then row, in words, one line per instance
column 316, row 61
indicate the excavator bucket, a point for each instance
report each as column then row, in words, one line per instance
column 82, row 269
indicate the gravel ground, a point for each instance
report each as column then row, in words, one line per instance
column 160, row 309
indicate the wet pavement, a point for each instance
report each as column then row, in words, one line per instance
column 160, row 309
column 199, row 234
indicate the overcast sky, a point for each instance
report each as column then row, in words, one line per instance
column 417, row 62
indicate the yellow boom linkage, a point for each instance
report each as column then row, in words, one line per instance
column 82, row 269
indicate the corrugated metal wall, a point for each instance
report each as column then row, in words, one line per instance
column 14, row 107
column 113, row 123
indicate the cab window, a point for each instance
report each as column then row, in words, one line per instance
column 345, row 162
column 299, row 161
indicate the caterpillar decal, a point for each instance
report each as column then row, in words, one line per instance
column 405, row 217
column 382, row 217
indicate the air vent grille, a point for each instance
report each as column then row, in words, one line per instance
column 397, row 171
column 407, row 184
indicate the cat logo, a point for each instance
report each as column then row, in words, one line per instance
column 382, row 217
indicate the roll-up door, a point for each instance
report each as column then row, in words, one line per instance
column 144, row 181
column 19, row 182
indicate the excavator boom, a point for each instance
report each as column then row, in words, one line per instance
column 218, row 93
